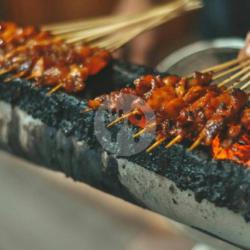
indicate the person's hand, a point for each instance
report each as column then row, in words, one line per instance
column 245, row 52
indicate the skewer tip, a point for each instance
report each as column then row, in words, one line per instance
column 87, row 110
column 122, row 118
column 156, row 144
column 11, row 78
column 143, row 131
column 55, row 89
column 174, row 141
column 196, row 143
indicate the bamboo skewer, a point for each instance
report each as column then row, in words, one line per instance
column 98, row 32
column 86, row 110
column 223, row 66
column 235, row 85
column 176, row 140
column 132, row 33
column 197, row 142
column 224, row 73
column 246, row 77
column 116, row 42
column 90, row 23
column 246, row 86
column 62, row 28
column 104, row 30
column 102, row 21
column 146, row 129
column 156, row 144
column 5, row 71
column 235, row 76
column 18, row 75
column 122, row 118
column 55, row 89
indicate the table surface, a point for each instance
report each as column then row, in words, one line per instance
column 41, row 209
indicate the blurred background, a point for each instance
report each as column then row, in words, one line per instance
column 219, row 18
column 143, row 50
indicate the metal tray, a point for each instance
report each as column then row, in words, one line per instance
column 200, row 55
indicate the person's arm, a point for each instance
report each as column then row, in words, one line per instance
column 245, row 52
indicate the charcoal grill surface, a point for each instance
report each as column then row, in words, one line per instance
column 195, row 57
column 52, row 131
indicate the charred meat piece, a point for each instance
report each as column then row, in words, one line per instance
column 185, row 108
column 34, row 54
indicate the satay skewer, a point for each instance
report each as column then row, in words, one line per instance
column 245, row 66
column 198, row 141
column 202, row 135
column 244, row 74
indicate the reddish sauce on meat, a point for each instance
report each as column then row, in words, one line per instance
column 189, row 108
column 31, row 53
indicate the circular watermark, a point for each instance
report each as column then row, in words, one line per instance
column 119, row 139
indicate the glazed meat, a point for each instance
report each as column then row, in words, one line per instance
column 34, row 54
column 185, row 108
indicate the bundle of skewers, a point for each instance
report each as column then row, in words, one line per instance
column 63, row 56
column 192, row 108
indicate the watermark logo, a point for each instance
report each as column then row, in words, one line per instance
column 119, row 138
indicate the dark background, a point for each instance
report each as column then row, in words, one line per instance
column 165, row 39
column 219, row 18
